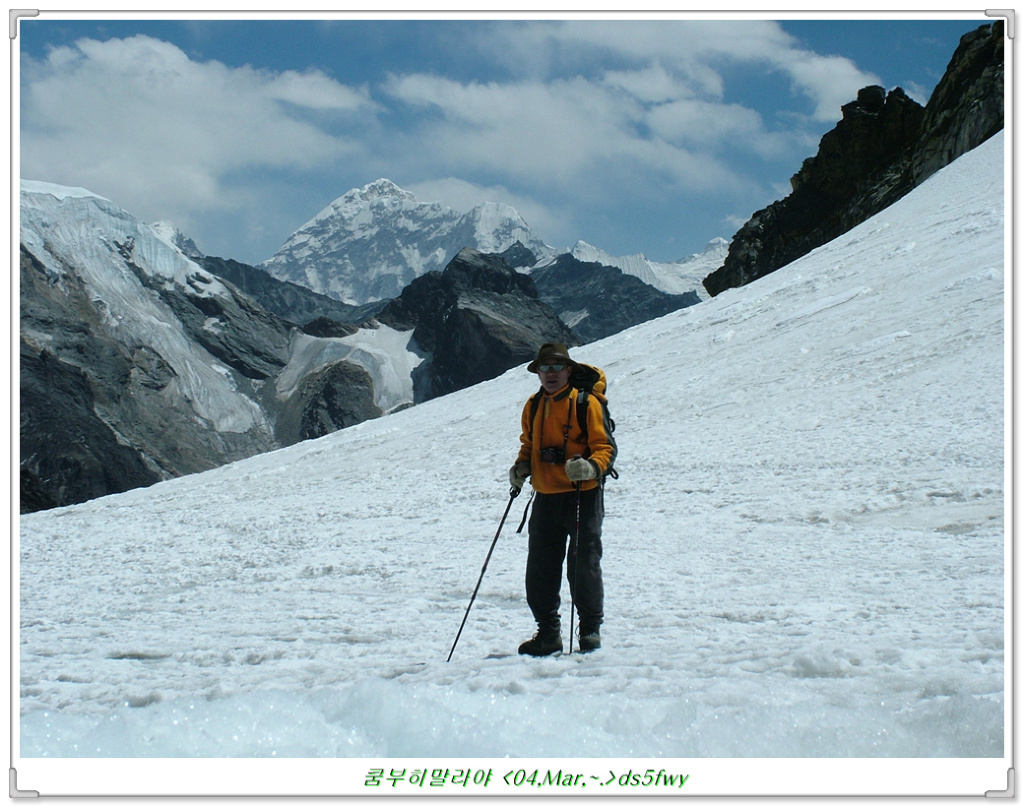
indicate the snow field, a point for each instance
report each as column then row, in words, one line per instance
column 804, row 555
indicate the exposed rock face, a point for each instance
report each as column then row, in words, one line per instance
column 833, row 191
column 234, row 329
column 101, row 414
column 328, row 328
column 58, row 409
column 966, row 108
column 518, row 256
column 333, row 398
column 288, row 300
column 475, row 320
column 597, row 301
column 884, row 146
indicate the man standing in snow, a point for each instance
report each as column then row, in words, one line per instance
column 567, row 464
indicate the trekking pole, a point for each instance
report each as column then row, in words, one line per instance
column 575, row 562
column 511, row 498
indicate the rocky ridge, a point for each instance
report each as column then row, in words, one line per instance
column 885, row 145
column 137, row 363
column 596, row 300
column 473, row 321
column 288, row 300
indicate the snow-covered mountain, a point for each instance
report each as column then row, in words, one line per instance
column 141, row 361
column 677, row 277
column 177, row 239
column 138, row 364
column 80, row 237
column 372, row 242
column 806, row 556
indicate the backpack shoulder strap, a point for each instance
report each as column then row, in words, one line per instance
column 582, row 399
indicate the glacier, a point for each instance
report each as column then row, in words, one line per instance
column 71, row 226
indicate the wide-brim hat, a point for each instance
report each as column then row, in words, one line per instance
column 551, row 353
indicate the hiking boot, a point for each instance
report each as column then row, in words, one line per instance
column 589, row 640
column 544, row 643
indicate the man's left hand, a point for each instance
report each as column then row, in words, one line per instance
column 579, row 469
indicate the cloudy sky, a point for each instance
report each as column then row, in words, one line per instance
column 635, row 135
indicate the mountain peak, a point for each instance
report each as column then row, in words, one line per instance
column 378, row 189
column 370, row 243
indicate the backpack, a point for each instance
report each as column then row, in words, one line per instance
column 591, row 382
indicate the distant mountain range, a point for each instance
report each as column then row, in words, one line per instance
column 684, row 276
column 370, row 243
column 142, row 359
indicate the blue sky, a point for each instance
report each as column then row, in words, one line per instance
column 636, row 135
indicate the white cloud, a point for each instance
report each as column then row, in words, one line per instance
column 561, row 132
column 137, row 121
column 652, row 84
column 829, row 81
column 696, row 121
column 527, row 129
column 594, row 103
column 314, row 90
column 694, row 54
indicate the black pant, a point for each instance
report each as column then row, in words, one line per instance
column 553, row 524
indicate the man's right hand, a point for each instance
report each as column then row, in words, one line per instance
column 518, row 474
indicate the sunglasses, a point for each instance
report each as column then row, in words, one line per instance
column 551, row 368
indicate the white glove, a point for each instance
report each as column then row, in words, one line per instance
column 579, row 469
column 518, row 473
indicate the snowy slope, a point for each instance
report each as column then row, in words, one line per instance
column 677, row 277
column 804, row 555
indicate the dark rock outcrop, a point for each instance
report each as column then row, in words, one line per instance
column 288, row 300
column 58, row 409
column 596, row 301
column 884, row 146
column 833, row 191
column 966, row 108
column 328, row 328
column 100, row 415
column 475, row 320
column 329, row 399
column 518, row 256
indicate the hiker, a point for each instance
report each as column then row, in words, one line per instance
column 567, row 466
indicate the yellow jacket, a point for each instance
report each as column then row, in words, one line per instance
column 557, row 426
